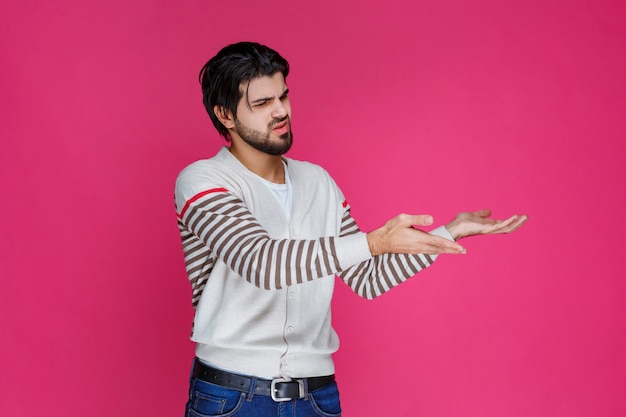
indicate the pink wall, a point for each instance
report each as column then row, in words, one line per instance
column 413, row 106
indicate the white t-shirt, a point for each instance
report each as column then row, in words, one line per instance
column 282, row 192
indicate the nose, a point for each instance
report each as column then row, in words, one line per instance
column 281, row 109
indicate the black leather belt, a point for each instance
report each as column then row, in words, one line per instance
column 281, row 389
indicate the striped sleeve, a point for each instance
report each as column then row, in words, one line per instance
column 373, row 277
column 223, row 224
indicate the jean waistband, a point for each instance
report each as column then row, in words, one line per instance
column 280, row 389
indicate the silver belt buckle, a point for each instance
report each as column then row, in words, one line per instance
column 273, row 390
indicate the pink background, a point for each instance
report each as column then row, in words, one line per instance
column 413, row 106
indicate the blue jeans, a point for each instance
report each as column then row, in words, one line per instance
column 209, row 400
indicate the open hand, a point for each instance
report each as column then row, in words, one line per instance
column 399, row 235
column 479, row 223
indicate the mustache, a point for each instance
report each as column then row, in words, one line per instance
column 277, row 121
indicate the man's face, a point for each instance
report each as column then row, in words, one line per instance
column 266, row 123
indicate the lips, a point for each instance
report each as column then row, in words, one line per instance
column 281, row 128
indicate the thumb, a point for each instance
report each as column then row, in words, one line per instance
column 483, row 213
column 422, row 220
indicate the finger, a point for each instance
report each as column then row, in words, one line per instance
column 509, row 225
column 421, row 220
column 445, row 245
column 432, row 244
column 503, row 224
column 452, row 250
column 438, row 250
column 516, row 225
column 482, row 213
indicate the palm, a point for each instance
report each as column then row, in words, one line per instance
column 479, row 223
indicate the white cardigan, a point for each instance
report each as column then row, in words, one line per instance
column 262, row 284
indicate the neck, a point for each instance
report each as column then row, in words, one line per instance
column 269, row 167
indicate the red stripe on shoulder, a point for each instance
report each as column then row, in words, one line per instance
column 345, row 203
column 199, row 196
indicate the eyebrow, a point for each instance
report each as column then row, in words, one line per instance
column 262, row 99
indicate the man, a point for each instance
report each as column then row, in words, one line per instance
column 264, row 237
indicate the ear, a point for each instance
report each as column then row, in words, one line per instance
column 224, row 116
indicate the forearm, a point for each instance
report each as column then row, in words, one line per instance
column 224, row 225
column 378, row 275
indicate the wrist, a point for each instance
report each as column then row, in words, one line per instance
column 453, row 229
column 373, row 240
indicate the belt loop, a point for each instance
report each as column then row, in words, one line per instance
column 251, row 389
column 305, row 385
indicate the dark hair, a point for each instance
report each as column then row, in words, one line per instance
column 221, row 77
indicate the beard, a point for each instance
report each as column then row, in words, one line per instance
column 261, row 141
